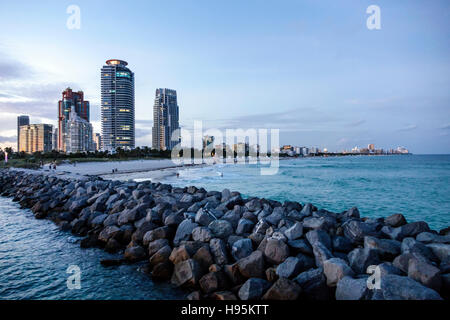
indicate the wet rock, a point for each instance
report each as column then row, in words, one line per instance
column 244, row 226
column 313, row 284
column 283, row 289
column 352, row 213
column 321, row 253
column 402, row 261
column 194, row 296
column 155, row 234
column 388, row 268
column 253, row 205
column 300, row 246
column 203, row 257
column 223, row 295
column 162, row 271
column 441, row 251
column 107, row 233
column 335, row 269
column 428, row 237
column 160, row 256
column 135, row 253
column 155, row 245
column 112, row 246
column 179, row 254
column 203, row 217
column 253, row 289
column 387, row 249
column 356, row 230
column 212, row 282
column 342, row 244
column 410, row 245
column 318, row 236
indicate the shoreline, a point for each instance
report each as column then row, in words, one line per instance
column 221, row 246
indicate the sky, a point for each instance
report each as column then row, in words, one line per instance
column 309, row 68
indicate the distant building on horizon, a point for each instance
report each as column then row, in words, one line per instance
column 98, row 141
column 71, row 102
column 21, row 121
column 117, row 105
column 36, row 137
column 78, row 134
column 165, row 119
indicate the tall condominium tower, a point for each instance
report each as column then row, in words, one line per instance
column 36, row 137
column 165, row 120
column 21, row 121
column 70, row 101
column 117, row 86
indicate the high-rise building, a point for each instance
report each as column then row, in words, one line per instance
column 21, row 121
column 36, row 137
column 78, row 134
column 117, row 105
column 371, row 147
column 165, row 120
column 71, row 101
column 98, row 141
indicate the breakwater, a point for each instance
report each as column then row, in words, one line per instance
column 219, row 245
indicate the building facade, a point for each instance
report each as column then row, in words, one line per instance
column 21, row 121
column 98, row 142
column 78, row 134
column 165, row 120
column 36, row 137
column 117, row 106
column 71, row 101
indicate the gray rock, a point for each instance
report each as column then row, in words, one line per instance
column 244, row 226
column 202, row 234
column 294, row 232
column 395, row 287
column 241, row 249
column 359, row 259
column 154, row 246
column 276, row 251
column 253, row 289
column 253, row 205
column 321, row 253
column 352, row 213
column 203, row 217
column 335, row 269
column 107, row 233
column 425, row 273
column 135, row 253
column 316, row 223
column 155, row 234
column 356, row 230
column 283, row 289
column 275, row 217
column 395, row 220
column 388, row 268
column 184, row 231
column 319, row 236
column 218, row 250
column 186, row 273
column 413, row 246
column 160, row 256
column 342, row 244
column 221, row 228
column 300, row 246
column 428, row 237
column 290, row 268
column 261, row 227
column 352, row 289
column 313, row 284
column 402, row 261
column 306, row 210
column 387, row 249
column 441, row 251
column 408, row 230
column 252, row 266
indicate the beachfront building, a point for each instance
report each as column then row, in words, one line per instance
column 165, row 120
column 36, row 137
column 98, row 141
column 21, row 121
column 117, row 106
column 78, row 136
column 71, row 103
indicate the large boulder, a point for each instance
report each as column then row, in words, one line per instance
column 203, row 217
column 313, row 284
column 184, row 231
column 356, row 230
column 108, row 232
column 294, row 232
column 221, row 228
column 319, row 236
column 219, row 251
column 387, row 249
column 253, row 289
column 395, row 220
column 359, row 259
column 428, row 237
column 290, row 268
column 283, row 289
column 441, row 251
column 202, row 234
column 212, row 281
column 135, row 253
column 244, row 226
column 410, row 245
column 321, row 253
column 408, row 230
column 160, row 256
column 186, row 273
column 335, row 269
column 154, row 246
column 425, row 273
column 352, row 289
column 276, row 251
column 241, row 248
column 252, row 266
column 395, row 287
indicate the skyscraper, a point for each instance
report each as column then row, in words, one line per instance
column 21, row 121
column 78, row 134
column 36, row 137
column 117, row 89
column 70, row 101
column 165, row 119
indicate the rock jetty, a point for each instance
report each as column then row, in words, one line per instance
column 219, row 245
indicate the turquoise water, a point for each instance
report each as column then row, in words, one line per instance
column 417, row 186
column 35, row 255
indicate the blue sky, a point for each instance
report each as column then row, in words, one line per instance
column 310, row 68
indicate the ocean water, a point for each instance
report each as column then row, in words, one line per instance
column 35, row 255
column 417, row 186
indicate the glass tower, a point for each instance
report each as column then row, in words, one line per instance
column 117, row 105
column 165, row 119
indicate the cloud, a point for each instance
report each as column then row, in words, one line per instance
column 445, row 127
column 11, row 70
column 7, row 139
column 356, row 123
column 408, row 128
